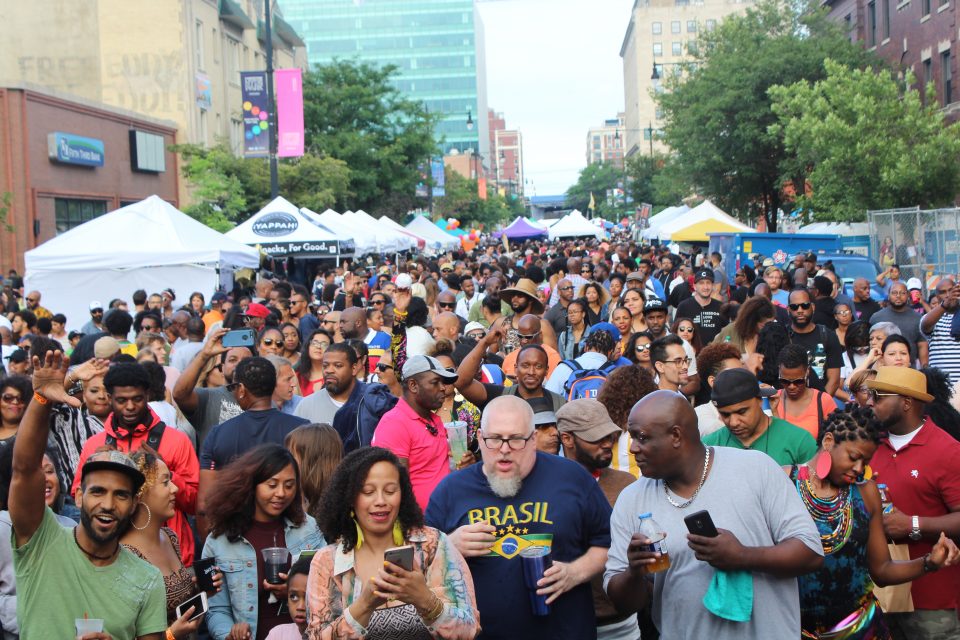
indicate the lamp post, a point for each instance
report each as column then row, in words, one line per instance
column 271, row 106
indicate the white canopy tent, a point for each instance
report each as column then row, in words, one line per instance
column 363, row 243
column 418, row 241
column 436, row 237
column 839, row 228
column 574, row 225
column 148, row 245
column 694, row 225
column 389, row 240
column 281, row 230
column 667, row 215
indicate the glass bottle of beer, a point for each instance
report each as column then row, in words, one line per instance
column 655, row 533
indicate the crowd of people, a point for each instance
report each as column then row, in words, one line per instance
column 572, row 439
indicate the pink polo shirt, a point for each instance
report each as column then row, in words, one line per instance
column 405, row 433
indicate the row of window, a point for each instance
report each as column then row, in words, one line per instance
column 676, row 48
column 878, row 18
column 676, row 25
column 73, row 213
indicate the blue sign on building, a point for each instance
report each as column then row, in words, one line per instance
column 70, row 149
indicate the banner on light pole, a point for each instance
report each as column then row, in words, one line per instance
column 289, row 92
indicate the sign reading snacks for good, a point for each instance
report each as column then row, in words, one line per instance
column 67, row 148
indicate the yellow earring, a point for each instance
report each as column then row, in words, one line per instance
column 359, row 531
column 397, row 533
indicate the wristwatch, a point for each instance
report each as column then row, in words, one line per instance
column 915, row 529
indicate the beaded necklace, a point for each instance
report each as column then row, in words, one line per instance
column 835, row 512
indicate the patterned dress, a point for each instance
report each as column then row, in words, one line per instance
column 179, row 584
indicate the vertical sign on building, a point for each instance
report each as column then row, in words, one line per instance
column 439, row 179
column 256, row 140
column 289, row 84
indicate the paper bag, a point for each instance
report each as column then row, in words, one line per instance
column 896, row 598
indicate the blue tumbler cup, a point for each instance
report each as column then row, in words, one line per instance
column 535, row 561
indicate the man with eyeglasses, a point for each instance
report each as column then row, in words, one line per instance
column 939, row 326
column 918, row 463
column 519, row 499
column 353, row 326
column 95, row 324
column 822, row 345
column 899, row 312
column 703, row 309
column 671, row 363
column 412, row 429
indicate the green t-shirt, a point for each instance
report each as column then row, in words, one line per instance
column 56, row 584
column 786, row 443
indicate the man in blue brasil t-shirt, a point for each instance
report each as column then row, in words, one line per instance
column 519, row 499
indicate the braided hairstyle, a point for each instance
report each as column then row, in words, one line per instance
column 600, row 341
column 852, row 423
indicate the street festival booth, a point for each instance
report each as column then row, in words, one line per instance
column 522, row 229
column 419, row 241
column 574, row 225
column 148, row 245
column 667, row 215
column 388, row 240
column 436, row 237
column 363, row 242
column 694, row 225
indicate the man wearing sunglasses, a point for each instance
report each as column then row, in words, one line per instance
column 822, row 345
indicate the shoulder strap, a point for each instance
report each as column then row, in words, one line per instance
column 819, row 409
column 153, row 438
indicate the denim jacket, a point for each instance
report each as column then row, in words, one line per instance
column 238, row 562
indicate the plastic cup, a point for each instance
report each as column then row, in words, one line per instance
column 457, row 437
column 276, row 560
column 535, row 561
column 203, row 570
column 88, row 625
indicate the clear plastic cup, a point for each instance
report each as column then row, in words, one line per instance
column 457, row 438
column 276, row 560
column 88, row 625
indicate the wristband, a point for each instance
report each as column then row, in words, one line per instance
column 929, row 567
column 39, row 398
column 170, row 635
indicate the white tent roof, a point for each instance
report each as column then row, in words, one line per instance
column 434, row 235
column 703, row 212
column 419, row 241
column 840, row 228
column 363, row 242
column 174, row 238
column 281, row 230
column 667, row 215
column 574, row 224
column 388, row 240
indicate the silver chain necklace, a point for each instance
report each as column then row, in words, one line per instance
column 703, row 478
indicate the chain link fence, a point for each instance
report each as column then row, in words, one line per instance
column 924, row 242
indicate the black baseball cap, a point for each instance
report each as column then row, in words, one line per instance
column 654, row 304
column 732, row 386
column 703, row 274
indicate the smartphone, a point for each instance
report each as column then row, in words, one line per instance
column 701, row 524
column 199, row 601
column 238, row 338
column 400, row 556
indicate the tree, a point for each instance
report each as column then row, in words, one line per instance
column 870, row 141
column 462, row 201
column 599, row 180
column 718, row 114
column 653, row 180
column 353, row 112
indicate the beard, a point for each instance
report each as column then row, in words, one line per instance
column 503, row 487
column 86, row 521
column 588, row 461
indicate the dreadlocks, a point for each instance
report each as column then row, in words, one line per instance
column 852, row 423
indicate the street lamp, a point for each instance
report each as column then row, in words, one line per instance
column 469, row 120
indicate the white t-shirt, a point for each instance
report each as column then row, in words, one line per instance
column 899, row 442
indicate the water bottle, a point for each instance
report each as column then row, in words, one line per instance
column 885, row 501
column 655, row 533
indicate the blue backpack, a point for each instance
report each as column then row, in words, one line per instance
column 356, row 421
column 585, row 383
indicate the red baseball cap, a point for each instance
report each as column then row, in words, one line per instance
column 256, row 310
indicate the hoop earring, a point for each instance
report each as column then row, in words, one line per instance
column 359, row 531
column 149, row 517
column 823, row 465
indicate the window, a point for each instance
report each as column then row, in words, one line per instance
column 925, row 7
column 646, row 133
column 233, row 61
column 659, row 70
column 692, row 47
column 676, row 48
column 73, row 213
column 657, row 49
column 236, row 135
column 659, row 113
column 927, row 71
column 691, row 26
column 711, row 25
column 675, row 26
column 947, row 73
column 199, row 44
column 872, row 24
column 202, row 133
column 885, row 8
column 657, row 28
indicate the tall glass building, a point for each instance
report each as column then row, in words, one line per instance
column 437, row 45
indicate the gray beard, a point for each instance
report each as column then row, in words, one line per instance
column 504, row 487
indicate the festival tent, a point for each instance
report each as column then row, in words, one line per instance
column 575, row 225
column 282, row 231
column 523, row 229
column 388, row 240
column 667, row 215
column 694, row 225
column 147, row 245
column 435, row 236
column 419, row 241
column 363, row 242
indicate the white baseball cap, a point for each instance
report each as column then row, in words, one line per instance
column 404, row 281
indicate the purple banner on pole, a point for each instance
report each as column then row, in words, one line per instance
column 256, row 140
column 289, row 84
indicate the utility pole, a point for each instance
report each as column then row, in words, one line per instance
column 271, row 106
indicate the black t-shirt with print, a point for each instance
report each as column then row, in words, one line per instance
column 706, row 318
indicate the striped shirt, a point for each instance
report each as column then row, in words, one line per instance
column 944, row 349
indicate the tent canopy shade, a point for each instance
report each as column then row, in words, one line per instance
column 521, row 229
column 281, row 230
column 694, row 225
column 574, row 225
column 434, row 236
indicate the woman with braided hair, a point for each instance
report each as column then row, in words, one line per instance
column 837, row 601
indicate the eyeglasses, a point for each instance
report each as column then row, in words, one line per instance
column 798, row 382
column 531, row 336
column 9, row 398
column 270, row 342
column 860, row 390
column 329, row 322
column 382, row 366
column 515, row 444
column 842, row 313
column 679, row 362
column 640, row 348
column 876, row 394
column 800, row 305
column 319, row 344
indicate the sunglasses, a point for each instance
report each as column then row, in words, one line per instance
column 798, row 382
column 270, row 342
column 319, row 344
column 842, row 313
column 447, row 305
column 640, row 348
column 149, row 327
column 528, row 337
column 876, row 394
column 381, row 367
column 380, row 301
column 586, row 270
column 570, row 288
column 32, row 300
column 800, row 305
column 9, row 398
column 97, row 310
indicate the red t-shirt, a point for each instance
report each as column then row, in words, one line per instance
column 923, row 480
column 405, row 433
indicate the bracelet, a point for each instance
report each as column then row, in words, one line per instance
column 434, row 613
column 929, row 567
column 170, row 635
column 39, row 398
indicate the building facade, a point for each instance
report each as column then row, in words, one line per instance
column 66, row 160
column 660, row 36
column 915, row 35
column 437, row 46
column 605, row 143
column 506, row 156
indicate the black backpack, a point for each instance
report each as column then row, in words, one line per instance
column 154, row 436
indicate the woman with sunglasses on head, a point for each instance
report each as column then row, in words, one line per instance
column 796, row 402
column 310, row 366
column 837, row 600
column 353, row 592
column 291, row 342
column 569, row 342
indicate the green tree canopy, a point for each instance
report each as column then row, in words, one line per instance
column 462, row 201
column 598, row 179
column 870, row 140
column 718, row 114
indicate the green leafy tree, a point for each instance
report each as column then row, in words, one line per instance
column 5, row 200
column 718, row 113
column 600, row 180
column 353, row 112
column 462, row 201
column 871, row 142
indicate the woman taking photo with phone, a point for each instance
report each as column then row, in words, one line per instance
column 255, row 504
column 837, row 601
column 368, row 508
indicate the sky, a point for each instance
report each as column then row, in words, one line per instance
column 554, row 70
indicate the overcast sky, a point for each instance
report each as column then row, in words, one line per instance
column 554, row 70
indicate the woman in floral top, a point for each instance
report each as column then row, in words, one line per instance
column 368, row 508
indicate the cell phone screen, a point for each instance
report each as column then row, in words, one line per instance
column 199, row 601
column 400, row 556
